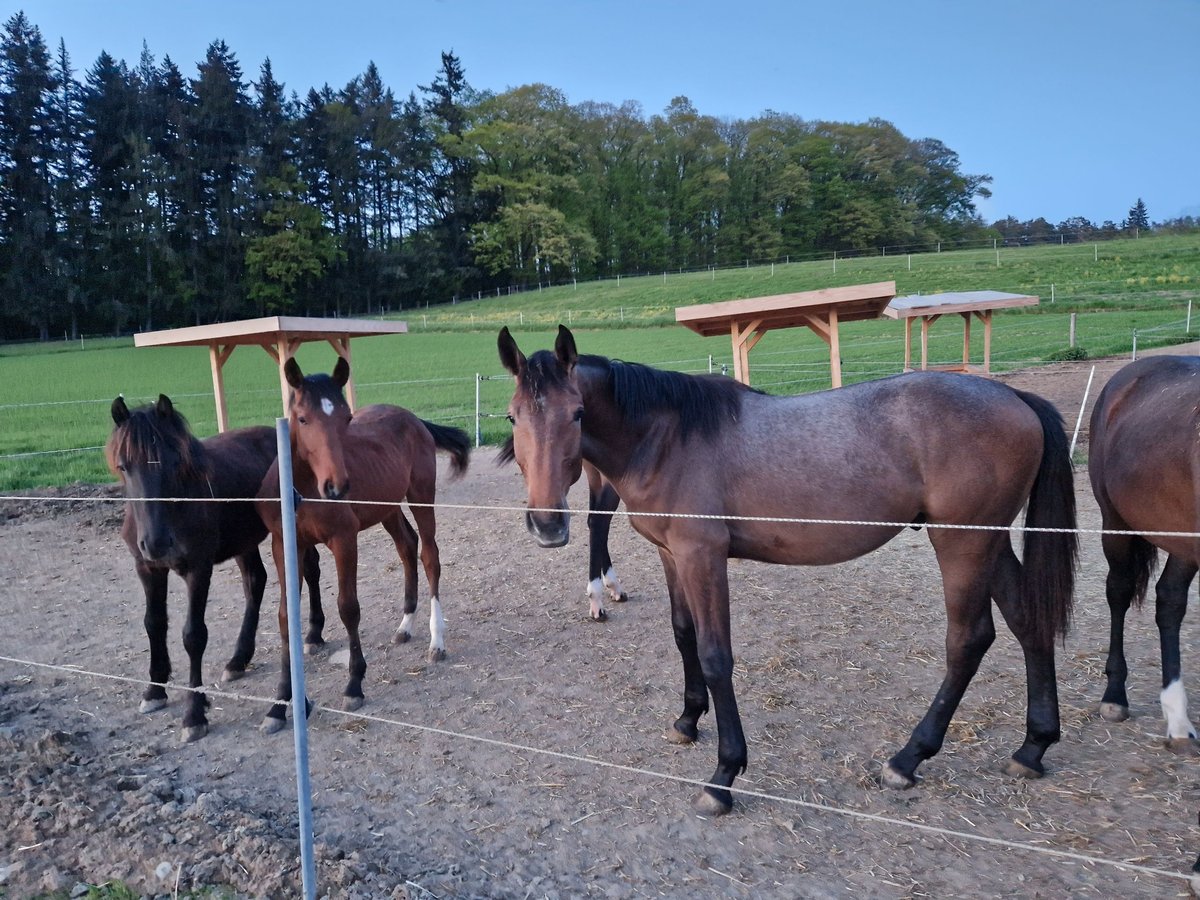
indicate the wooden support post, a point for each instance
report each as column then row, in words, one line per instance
column 283, row 350
column 908, row 344
column 987, row 341
column 744, row 340
column 966, row 341
column 216, row 357
column 835, row 351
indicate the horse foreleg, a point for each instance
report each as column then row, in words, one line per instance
column 1041, row 712
column 154, row 585
column 969, row 632
column 316, row 614
column 602, row 577
column 405, row 540
column 276, row 717
column 695, row 691
column 345, row 556
column 1171, row 604
column 254, row 582
column 195, row 641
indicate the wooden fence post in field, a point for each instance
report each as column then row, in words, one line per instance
column 1072, row 330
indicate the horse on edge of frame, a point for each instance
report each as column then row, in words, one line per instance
column 712, row 458
column 157, row 458
column 372, row 459
column 1144, row 465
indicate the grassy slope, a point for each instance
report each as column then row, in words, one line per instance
column 56, row 397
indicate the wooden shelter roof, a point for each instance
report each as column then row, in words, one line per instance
column 852, row 303
column 278, row 335
column 954, row 302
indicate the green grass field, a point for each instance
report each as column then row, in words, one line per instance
column 54, row 404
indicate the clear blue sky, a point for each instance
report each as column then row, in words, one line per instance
column 1074, row 107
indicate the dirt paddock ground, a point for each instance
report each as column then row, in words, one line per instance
column 834, row 667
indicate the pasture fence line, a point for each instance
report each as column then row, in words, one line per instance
column 512, row 746
column 778, row 520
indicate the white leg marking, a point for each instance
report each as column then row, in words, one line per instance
column 437, row 625
column 405, row 626
column 1174, row 705
column 595, row 592
column 613, row 584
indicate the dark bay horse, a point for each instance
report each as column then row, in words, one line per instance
column 376, row 458
column 156, row 456
column 1144, row 465
column 922, row 449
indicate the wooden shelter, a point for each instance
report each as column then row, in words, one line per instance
column 748, row 320
column 929, row 308
column 278, row 335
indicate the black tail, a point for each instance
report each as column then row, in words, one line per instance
column 1143, row 559
column 1048, row 569
column 453, row 440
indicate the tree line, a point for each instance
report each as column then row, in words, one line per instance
column 135, row 197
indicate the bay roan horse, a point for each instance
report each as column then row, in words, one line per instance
column 1144, row 465
column 157, row 458
column 375, row 459
column 921, row 449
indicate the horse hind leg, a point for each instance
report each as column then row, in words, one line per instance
column 254, row 583
column 970, row 631
column 314, row 639
column 432, row 562
column 1171, row 594
column 602, row 577
column 405, row 540
column 1042, row 725
column 1129, row 560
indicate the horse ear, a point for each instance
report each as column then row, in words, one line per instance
column 291, row 371
column 164, row 407
column 564, row 348
column 341, row 372
column 120, row 412
column 510, row 355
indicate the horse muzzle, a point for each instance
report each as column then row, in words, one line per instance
column 549, row 529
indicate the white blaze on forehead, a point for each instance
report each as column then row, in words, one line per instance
column 327, row 406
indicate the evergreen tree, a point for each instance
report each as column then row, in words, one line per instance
column 1138, row 218
column 27, row 137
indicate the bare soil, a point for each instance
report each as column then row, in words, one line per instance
column 439, row 794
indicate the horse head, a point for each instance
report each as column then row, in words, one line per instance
column 546, row 412
column 156, row 457
column 319, row 416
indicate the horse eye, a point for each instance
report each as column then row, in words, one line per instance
column 302, row 420
column 511, row 419
column 579, row 415
column 121, row 467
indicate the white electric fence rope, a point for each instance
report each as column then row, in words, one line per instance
column 785, row 520
column 637, row 770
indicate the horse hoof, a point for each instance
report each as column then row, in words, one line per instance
column 435, row 654
column 232, row 675
column 149, row 706
column 675, row 736
column 1114, row 712
column 193, row 733
column 350, row 704
column 621, row 598
column 601, row 616
column 401, row 637
column 272, row 725
column 707, row 804
column 890, row 777
column 1183, row 746
column 312, row 648
column 1017, row 769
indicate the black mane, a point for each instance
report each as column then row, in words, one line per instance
column 140, row 440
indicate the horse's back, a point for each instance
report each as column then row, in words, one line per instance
column 238, row 462
column 388, row 449
column 1143, row 457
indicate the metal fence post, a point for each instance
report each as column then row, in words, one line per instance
column 478, row 427
column 287, row 500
